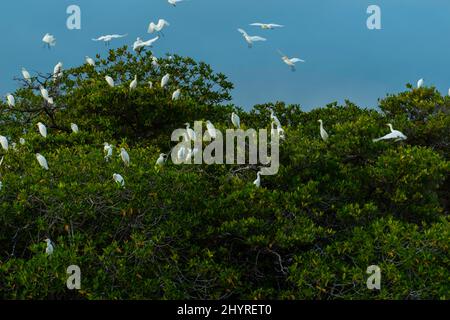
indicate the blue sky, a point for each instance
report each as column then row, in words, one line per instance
column 343, row 58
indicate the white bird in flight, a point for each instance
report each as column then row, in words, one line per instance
column 290, row 61
column 125, row 156
column 176, row 94
column 323, row 133
column 236, row 120
column 4, row 143
column 119, row 180
column 395, row 134
column 165, row 80
column 26, row 75
column 11, row 100
column 90, row 61
column 267, row 26
column 42, row 129
column 174, row 2
column 42, row 161
column 250, row 39
column 158, row 27
column 108, row 38
column 139, row 44
column 420, row 83
column 49, row 40
column 49, row 249
column 74, row 128
column 110, row 81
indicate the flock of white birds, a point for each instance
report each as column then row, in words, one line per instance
column 190, row 135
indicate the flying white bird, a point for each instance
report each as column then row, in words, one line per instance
column 42, row 161
column 211, row 129
column 134, row 83
column 165, row 80
column 257, row 182
column 42, row 129
column 49, row 40
column 290, row 61
column 323, row 133
column 74, row 128
column 26, row 75
column 191, row 133
column 108, row 150
column 174, row 2
column 110, row 81
column 108, row 38
column 250, row 39
column 4, row 143
column 11, row 100
column 158, row 27
column 236, row 120
column 90, row 61
column 49, row 249
column 57, row 71
column 139, row 44
column 161, row 160
column 395, row 134
column 267, row 26
column 119, row 180
column 420, row 83
column 176, row 94
column 125, row 156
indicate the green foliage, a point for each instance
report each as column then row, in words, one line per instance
column 206, row 232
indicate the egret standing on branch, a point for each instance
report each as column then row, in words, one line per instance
column 49, row 249
column 176, row 94
column 323, row 133
column 125, row 156
column 11, row 100
column 119, row 180
column 290, row 61
column 250, row 39
column 26, row 75
column 235, row 120
column 4, row 143
column 257, row 182
column 42, row 161
column 165, row 80
column 42, row 129
column 110, row 81
column 420, row 83
column 74, row 128
column 90, row 61
column 134, row 83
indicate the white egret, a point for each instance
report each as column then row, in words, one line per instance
column 22, row 141
column 275, row 118
column 26, row 75
column 42, row 161
column 158, row 27
column 42, row 129
column 11, row 100
column 49, row 40
column 395, row 134
column 119, row 180
column 257, row 182
column 278, row 130
column 108, row 38
column 108, row 150
column 139, row 44
column 250, row 39
column 290, row 61
column 150, row 84
column 191, row 133
column 176, row 94
column 174, row 2
column 4, row 143
column 155, row 62
column 211, row 129
column 57, row 71
column 110, row 81
column 74, row 127
column 49, row 249
column 323, row 133
column 125, row 156
column 165, row 80
column 267, row 26
column 236, row 120
column 44, row 94
column 420, row 83
column 90, row 61
column 161, row 160
column 134, row 83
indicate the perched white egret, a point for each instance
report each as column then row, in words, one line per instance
column 161, row 160
column 90, row 61
column 74, row 128
column 267, row 26
column 176, row 94
column 22, row 141
column 323, row 133
column 42, row 129
column 158, row 27
column 119, row 180
column 108, row 150
column 250, row 39
column 420, row 83
column 42, row 161
column 11, row 100
column 57, row 71
column 155, row 62
column 275, row 118
column 290, row 61
column 108, row 38
column 49, row 40
column 165, row 80
column 4, row 143
column 139, row 43
column 191, row 133
column 26, row 75
column 125, row 156
column 257, row 182
column 44, row 94
column 50, row 100
column 395, row 134
column 236, row 120
column 174, row 2
column 211, row 129
column 134, row 83
column 110, row 81
column 49, row 249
